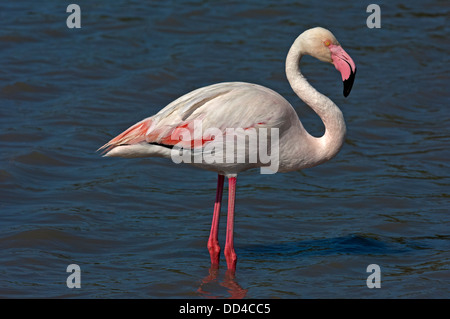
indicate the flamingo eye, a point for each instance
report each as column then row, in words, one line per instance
column 327, row 42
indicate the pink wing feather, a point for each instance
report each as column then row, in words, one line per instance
column 220, row 105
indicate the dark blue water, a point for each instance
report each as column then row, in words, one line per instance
column 138, row 228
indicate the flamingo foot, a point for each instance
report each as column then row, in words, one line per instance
column 214, row 252
column 231, row 258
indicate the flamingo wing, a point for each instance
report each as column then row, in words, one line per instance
column 219, row 106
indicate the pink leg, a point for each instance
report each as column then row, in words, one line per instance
column 230, row 255
column 213, row 242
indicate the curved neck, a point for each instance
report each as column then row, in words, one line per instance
column 331, row 142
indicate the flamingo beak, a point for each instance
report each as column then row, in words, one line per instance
column 344, row 64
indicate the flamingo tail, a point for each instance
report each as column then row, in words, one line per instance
column 133, row 135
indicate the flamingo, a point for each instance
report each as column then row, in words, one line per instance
column 247, row 106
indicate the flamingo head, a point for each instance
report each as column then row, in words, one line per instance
column 321, row 44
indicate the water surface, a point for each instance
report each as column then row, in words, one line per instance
column 138, row 228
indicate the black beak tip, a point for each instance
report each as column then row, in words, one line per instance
column 348, row 84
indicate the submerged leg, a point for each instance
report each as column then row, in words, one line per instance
column 213, row 242
column 230, row 254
